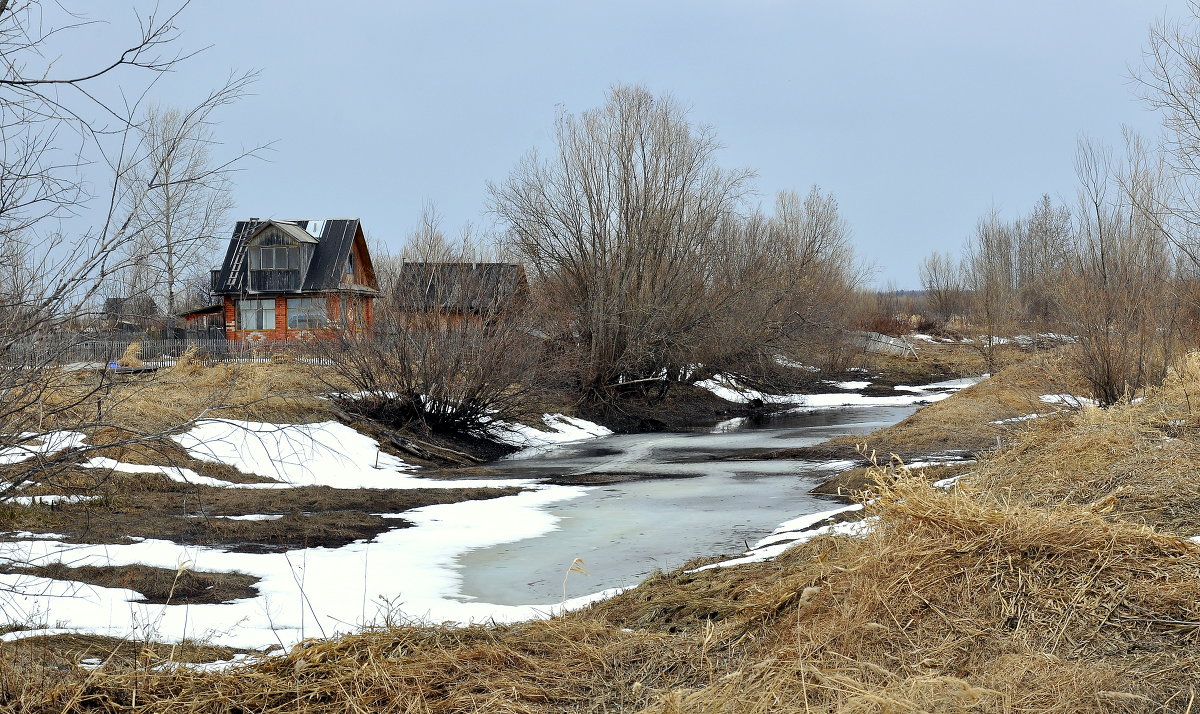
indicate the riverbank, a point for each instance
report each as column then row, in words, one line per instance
column 186, row 584
column 1059, row 576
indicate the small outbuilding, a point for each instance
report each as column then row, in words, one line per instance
column 452, row 295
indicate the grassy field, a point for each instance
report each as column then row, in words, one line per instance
column 1057, row 576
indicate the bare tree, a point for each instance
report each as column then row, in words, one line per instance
column 1170, row 83
column 71, row 149
column 784, row 281
column 622, row 226
column 1119, row 295
column 989, row 267
column 178, row 196
column 942, row 281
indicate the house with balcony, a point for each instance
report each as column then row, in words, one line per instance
column 295, row 279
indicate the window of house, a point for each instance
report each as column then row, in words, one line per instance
column 277, row 257
column 307, row 313
column 256, row 314
column 350, row 264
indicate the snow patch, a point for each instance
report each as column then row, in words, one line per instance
column 40, row 445
column 302, row 593
column 1069, row 400
column 560, row 429
column 323, row 454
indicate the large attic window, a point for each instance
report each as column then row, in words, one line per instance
column 274, row 251
column 274, row 262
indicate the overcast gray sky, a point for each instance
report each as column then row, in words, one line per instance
column 919, row 115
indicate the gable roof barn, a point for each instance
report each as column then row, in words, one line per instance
column 476, row 288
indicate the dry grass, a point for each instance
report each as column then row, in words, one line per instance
column 965, row 420
column 131, row 357
column 1139, row 460
column 161, row 400
column 156, row 585
column 1054, row 580
column 534, row 667
column 939, row 360
column 952, row 603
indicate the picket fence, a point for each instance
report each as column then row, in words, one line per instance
column 77, row 349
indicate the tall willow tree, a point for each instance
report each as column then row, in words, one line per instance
column 624, row 228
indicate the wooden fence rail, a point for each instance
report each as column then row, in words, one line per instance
column 69, row 349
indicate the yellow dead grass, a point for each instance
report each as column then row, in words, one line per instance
column 956, row 604
column 256, row 391
column 965, row 420
column 1138, row 460
column 1040, row 584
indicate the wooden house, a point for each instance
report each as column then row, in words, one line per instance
column 137, row 313
column 453, row 295
column 296, row 279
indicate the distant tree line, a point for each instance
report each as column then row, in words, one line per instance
column 1111, row 272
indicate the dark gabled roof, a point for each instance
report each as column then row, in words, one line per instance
column 459, row 287
column 332, row 240
column 133, row 306
column 206, row 310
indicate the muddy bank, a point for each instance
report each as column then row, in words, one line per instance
column 238, row 520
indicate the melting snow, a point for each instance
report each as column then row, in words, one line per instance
column 560, row 429
column 41, row 445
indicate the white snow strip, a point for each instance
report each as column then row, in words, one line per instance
column 819, row 401
column 172, row 472
column 853, row 386
column 787, row 530
column 783, row 361
column 23, row 634
column 950, row 385
column 729, row 425
column 1027, row 417
column 1070, row 400
column 770, row 552
column 949, row 481
column 252, row 517
column 30, row 535
column 323, row 454
column 41, row 445
column 51, row 498
column 560, row 429
column 731, row 390
column 313, row 592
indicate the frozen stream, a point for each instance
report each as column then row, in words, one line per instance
column 688, row 500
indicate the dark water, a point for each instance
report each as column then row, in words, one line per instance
column 689, row 500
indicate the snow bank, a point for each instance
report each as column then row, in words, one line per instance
column 42, row 445
column 560, row 429
column 323, row 454
column 1069, row 400
column 853, row 386
column 730, row 389
column 303, row 593
column 792, row 533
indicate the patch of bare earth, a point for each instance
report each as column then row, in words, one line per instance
column 151, row 506
column 156, row 585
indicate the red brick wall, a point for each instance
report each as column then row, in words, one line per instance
column 333, row 302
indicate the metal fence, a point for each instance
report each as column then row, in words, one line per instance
column 71, row 349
